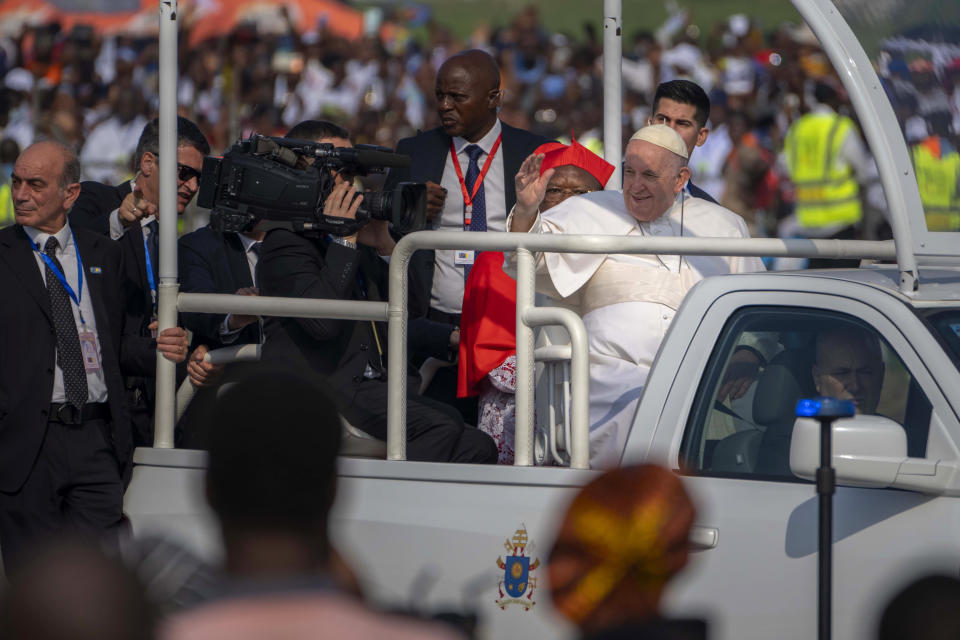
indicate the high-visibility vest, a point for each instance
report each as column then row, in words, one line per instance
column 937, row 176
column 826, row 190
column 6, row 206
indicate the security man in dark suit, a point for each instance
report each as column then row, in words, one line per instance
column 129, row 214
column 349, row 357
column 215, row 262
column 469, row 164
column 64, row 421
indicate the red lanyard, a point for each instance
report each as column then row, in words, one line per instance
column 468, row 197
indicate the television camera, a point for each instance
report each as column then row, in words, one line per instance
column 270, row 183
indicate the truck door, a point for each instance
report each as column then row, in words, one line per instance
column 755, row 573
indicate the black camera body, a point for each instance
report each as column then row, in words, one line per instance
column 269, row 183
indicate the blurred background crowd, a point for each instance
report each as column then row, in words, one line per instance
column 90, row 80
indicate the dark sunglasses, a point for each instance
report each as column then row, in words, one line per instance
column 184, row 173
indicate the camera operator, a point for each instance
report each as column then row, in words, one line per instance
column 349, row 356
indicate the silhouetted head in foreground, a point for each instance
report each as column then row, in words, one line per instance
column 927, row 609
column 271, row 479
column 70, row 590
column 623, row 537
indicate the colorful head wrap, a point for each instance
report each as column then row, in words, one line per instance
column 623, row 537
column 557, row 154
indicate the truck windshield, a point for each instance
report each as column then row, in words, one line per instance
column 915, row 47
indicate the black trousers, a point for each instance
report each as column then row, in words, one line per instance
column 435, row 431
column 443, row 387
column 74, row 487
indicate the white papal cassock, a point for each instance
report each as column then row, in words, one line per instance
column 628, row 301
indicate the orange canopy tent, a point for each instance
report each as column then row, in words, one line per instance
column 204, row 18
column 215, row 18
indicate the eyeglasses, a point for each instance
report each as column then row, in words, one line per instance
column 556, row 193
column 185, row 173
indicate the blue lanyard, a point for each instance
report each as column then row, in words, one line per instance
column 74, row 295
column 150, row 280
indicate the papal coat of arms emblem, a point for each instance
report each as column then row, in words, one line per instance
column 518, row 582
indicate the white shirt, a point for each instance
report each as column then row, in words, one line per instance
column 67, row 255
column 117, row 229
column 707, row 162
column 447, row 292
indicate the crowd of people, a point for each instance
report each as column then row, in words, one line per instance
column 721, row 142
column 95, row 93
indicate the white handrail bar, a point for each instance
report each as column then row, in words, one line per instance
column 613, row 89
column 233, row 353
column 579, row 449
column 523, row 445
column 528, row 242
column 395, row 310
column 167, row 268
column 223, row 355
column 286, row 307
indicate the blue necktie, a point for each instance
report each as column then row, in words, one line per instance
column 153, row 245
column 478, row 218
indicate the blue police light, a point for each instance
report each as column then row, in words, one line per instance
column 825, row 408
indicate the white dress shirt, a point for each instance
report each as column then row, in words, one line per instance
column 67, row 255
column 117, row 229
column 447, row 292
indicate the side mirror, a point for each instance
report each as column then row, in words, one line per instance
column 868, row 451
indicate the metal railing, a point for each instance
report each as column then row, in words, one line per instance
column 528, row 315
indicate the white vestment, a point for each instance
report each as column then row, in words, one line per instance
column 628, row 301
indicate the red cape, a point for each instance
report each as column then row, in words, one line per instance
column 488, row 324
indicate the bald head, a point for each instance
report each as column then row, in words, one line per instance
column 44, row 185
column 479, row 63
column 468, row 94
column 62, row 155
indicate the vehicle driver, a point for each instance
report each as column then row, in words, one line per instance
column 849, row 366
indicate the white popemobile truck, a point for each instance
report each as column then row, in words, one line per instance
column 434, row 536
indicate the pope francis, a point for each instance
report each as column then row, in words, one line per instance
column 626, row 301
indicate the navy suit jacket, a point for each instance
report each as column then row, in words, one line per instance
column 95, row 204
column 297, row 266
column 213, row 262
column 28, row 346
column 92, row 211
column 429, row 152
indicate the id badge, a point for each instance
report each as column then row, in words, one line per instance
column 89, row 350
column 463, row 257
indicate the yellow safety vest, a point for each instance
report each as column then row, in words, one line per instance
column 826, row 191
column 937, row 179
column 6, row 206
